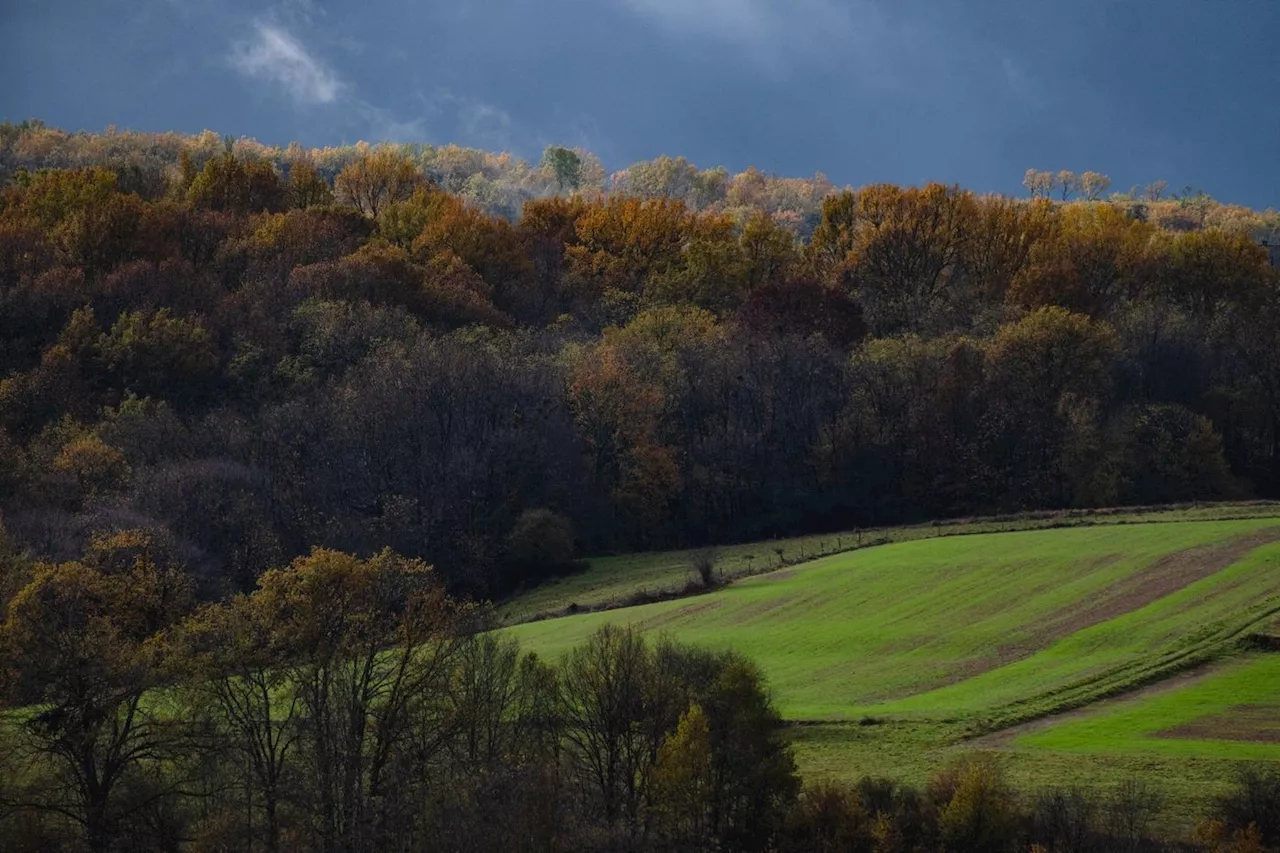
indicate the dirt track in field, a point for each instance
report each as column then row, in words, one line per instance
column 1250, row 723
column 1005, row 737
column 1163, row 577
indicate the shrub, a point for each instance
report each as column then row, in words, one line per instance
column 704, row 564
column 1063, row 819
column 1255, row 802
column 831, row 819
column 977, row 811
column 541, row 543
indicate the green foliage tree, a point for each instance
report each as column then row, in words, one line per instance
column 565, row 165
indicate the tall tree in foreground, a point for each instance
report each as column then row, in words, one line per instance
column 365, row 645
column 227, row 659
column 83, row 642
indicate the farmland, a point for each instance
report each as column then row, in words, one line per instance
column 1088, row 654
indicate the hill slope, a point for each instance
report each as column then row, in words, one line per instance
column 1005, row 625
column 895, row 657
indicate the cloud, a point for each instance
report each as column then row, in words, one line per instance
column 278, row 57
column 736, row 20
column 383, row 125
column 1020, row 83
column 795, row 24
column 485, row 124
column 275, row 54
column 475, row 122
column 780, row 34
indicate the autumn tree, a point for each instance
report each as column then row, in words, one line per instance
column 624, row 392
column 158, row 353
column 1041, row 370
column 227, row 656
column 378, row 178
column 621, row 243
column 363, row 644
column 1068, row 183
column 84, row 641
column 611, row 689
column 976, row 807
column 1207, row 269
column 833, row 240
column 908, row 253
column 1089, row 259
column 683, row 783
column 1039, row 184
column 228, row 184
column 1093, row 185
column 305, row 186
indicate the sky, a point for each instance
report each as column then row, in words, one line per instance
column 972, row 92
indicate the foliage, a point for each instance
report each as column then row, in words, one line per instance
column 409, row 346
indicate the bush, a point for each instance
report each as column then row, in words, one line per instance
column 1255, row 802
column 831, row 819
column 977, row 811
column 704, row 564
column 1063, row 819
column 541, row 544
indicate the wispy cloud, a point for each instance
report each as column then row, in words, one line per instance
column 780, row 33
column 383, row 125
column 1020, row 83
column 275, row 55
column 475, row 122
column 740, row 20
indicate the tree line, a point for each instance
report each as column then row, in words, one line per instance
column 253, row 360
column 350, row 704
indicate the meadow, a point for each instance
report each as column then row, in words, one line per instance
column 615, row 580
column 1082, row 654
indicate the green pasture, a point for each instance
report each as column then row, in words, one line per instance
column 894, row 660
column 1202, row 718
column 975, row 627
column 609, row 581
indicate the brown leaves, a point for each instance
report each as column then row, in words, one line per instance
column 379, row 178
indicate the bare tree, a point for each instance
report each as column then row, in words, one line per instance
column 1094, row 184
column 1068, row 183
column 1039, row 184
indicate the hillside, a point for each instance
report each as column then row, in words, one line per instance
column 252, row 351
column 267, row 413
column 936, row 641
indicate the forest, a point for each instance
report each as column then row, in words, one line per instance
column 250, row 352
column 272, row 420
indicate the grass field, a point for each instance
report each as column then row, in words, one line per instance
column 895, row 658
column 613, row 580
column 1231, row 712
column 948, row 628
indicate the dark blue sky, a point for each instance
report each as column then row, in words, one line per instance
column 967, row 91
